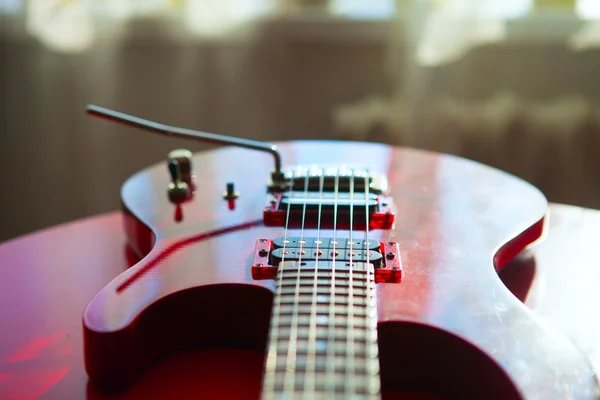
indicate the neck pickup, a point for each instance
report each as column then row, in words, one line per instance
column 384, row 256
column 325, row 249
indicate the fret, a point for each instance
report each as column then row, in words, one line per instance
column 320, row 320
column 364, row 365
column 360, row 332
column 326, row 266
column 320, row 290
column 320, row 309
column 321, row 381
column 323, row 282
column 321, row 346
column 325, row 274
column 320, row 394
column 311, row 346
column 308, row 299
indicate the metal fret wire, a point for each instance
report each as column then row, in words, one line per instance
column 330, row 351
column 350, row 333
column 289, row 380
column 310, row 377
column 374, row 384
column 271, row 364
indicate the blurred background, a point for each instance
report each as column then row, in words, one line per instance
column 511, row 83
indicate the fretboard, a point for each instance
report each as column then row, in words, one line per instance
column 323, row 334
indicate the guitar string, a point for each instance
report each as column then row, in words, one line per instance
column 310, row 376
column 272, row 350
column 373, row 384
column 350, row 383
column 271, row 364
column 332, row 300
column 289, row 383
column 330, row 351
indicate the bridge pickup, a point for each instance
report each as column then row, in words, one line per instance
column 313, row 210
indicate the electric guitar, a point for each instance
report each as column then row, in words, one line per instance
column 361, row 270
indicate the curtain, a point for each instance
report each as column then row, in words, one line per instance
column 510, row 83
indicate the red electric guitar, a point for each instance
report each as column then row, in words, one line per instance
column 361, row 271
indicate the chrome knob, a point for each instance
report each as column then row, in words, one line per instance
column 183, row 159
column 180, row 169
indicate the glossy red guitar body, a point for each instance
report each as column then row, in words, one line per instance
column 450, row 328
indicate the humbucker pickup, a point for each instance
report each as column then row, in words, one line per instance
column 384, row 256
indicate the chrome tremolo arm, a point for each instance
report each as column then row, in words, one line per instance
column 278, row 181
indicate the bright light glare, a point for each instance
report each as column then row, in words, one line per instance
column 125, row 9
column 372, row 9
column 505, row 9
column 10, row 6
column 60, row 25
column 215, row 17
column 588, row 9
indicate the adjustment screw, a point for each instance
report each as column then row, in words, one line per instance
column 390, row 256
column 395, row 268
column 392, row 243
column 260, row 265
column 262, row 240
column 263, row 252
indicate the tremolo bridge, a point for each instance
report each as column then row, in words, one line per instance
column 321, row 197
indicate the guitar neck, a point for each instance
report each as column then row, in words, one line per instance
column 323, row 333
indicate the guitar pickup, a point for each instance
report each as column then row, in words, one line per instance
column 385, row 256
